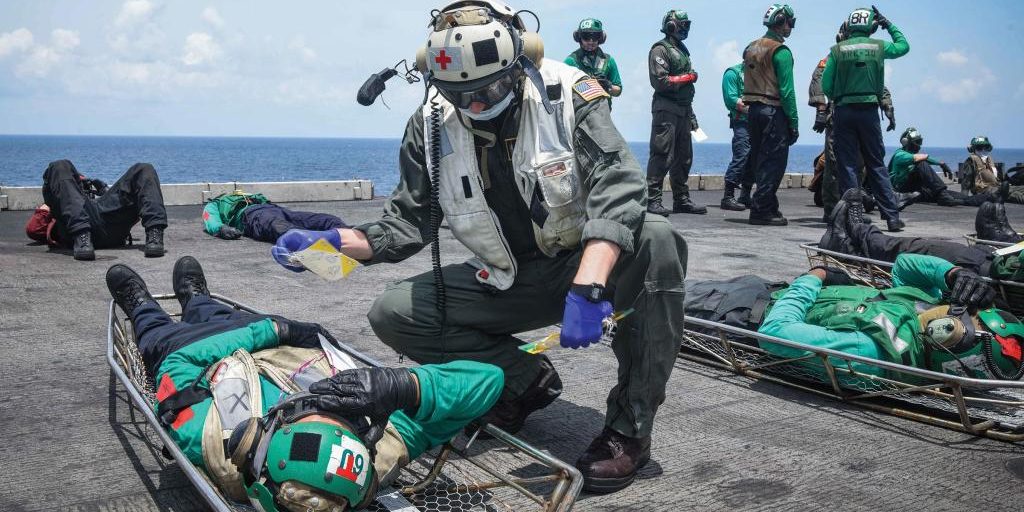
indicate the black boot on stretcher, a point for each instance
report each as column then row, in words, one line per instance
column 188, row 280
column 127, row 288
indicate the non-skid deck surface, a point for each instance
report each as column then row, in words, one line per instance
column 721, row 441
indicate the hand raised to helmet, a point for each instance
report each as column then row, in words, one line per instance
column 881, row 20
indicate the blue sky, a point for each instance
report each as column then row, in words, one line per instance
column 271, row 68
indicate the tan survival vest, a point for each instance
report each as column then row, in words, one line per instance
column 760, row 85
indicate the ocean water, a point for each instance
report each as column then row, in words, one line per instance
column 23, row 158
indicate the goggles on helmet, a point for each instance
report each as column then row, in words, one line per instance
column 590, row 36
column 490, row 94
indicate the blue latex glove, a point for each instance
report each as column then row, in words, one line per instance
column 296, row 240
column 581, row 321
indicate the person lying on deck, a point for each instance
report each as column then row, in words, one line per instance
column 937, row 316
column 848, row 234
column 229, row 216
column 253, row 401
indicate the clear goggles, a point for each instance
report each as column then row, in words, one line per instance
column 490, row 94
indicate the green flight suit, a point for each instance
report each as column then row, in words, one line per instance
column 673, row 119
column 597, row 64
column 480, row 323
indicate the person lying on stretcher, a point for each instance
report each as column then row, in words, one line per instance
column 253, row 401
column 936, row 316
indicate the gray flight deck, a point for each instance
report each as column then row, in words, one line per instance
column 721, row 442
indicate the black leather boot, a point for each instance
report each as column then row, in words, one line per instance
column 685, row 205
column 83, row 248
column 154, row 247
column 509, row 414
column 744, row 198
column 655, row 207
column 188, row 280
column 729, row 201
column 612, row 460
column 127, row 288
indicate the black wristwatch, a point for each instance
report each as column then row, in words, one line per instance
column 592, row 292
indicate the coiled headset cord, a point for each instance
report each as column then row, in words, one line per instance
column 435, row 217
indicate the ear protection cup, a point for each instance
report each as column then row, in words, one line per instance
column 604, row 37
column 241, row 446
column 421, row 59
column 576, row 35
column 532, row 47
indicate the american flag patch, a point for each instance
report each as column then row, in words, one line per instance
column 589, row 89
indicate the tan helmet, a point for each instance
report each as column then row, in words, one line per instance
column 474, row 43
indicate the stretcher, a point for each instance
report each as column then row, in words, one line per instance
column 972, row 239
column 878, row 274
column 989, row 408
column 500, row 473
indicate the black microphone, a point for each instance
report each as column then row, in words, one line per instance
column 374, row 86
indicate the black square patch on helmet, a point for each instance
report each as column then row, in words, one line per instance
column 305, row 447
column 485, row 52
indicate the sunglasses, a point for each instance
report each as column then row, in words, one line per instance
column 590, row 36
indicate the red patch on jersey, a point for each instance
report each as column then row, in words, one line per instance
column 166, row 389
column 1010, row 347
column 822, row 63
column 206, row 215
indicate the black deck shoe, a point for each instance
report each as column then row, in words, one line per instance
column 836, row 237
column 612, row 460
column 657, row 208
column 188, row 280
column 1004, row 232
column 127, row 288
column 510, row 414
column 895, row 225
column 730, row 203
column 154, row 242
column 685, row 205
column 83, row 248
column 869, row 202
column 744, row 198
column 905, row 199
column 774, row 220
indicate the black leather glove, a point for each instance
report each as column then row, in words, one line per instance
column 881, row 20
column 834, row 276
column 301, row 334
column 820, row 118
column 228, row 233
column 794, row 134
column 693, row 122
column 371, row 392
column 968, row 289
column 605, row 84
column 890, row 113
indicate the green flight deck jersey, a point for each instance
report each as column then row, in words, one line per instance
column 227, row 209
column 732, row 91
column 597, row 64
column 855, row 70
column 902, row 165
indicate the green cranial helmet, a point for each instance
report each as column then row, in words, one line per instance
column 675, row 21
column 993, row 352
column 779, row 13
column 911, row 140
column 295, row 465
column 590, row 26
column 981, row 143
column 861, row 20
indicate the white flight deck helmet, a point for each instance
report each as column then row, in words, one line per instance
column 474, row 53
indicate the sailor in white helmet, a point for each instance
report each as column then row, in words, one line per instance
column 519, row 154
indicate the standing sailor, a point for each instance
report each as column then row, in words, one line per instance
column 738, row 173
column 592, row 60
column 672, row 77
column 854, row 80
column 768, row 92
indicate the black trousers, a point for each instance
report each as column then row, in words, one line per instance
column 769, row 155
column 924, row 180
column 110, row 217
column 857, row 134
column 872, row 243
column 267, row 222
column 671, row 153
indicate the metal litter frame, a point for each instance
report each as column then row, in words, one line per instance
column 564, row 480
column 975, row 406
column 972, row 239
column 878, row 274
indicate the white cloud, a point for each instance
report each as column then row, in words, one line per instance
column 298, row 44
column 134, row 13
column 200, row 48
column 963, row 90
column 17, row 41
column 212, row 17
column 952, row 58
column 726, row 55
column 64, row 40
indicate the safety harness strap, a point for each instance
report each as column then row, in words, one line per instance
column 168, row 409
